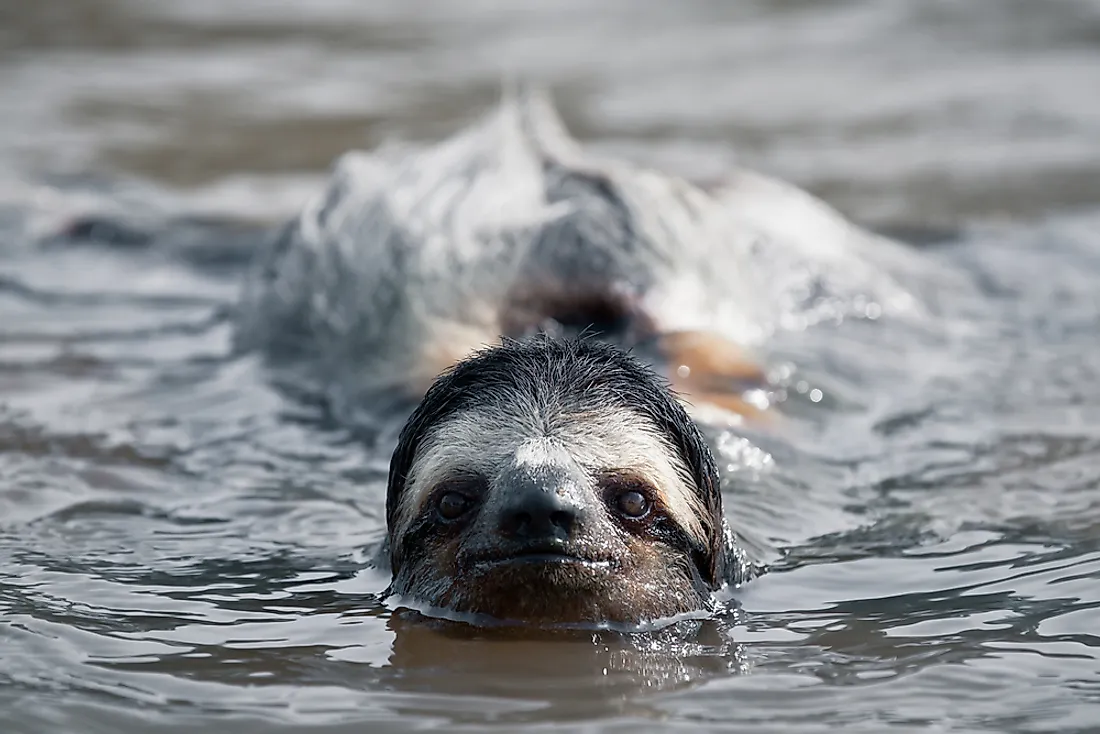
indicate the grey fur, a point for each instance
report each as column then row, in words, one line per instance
column 413, row 258
column 512, row 431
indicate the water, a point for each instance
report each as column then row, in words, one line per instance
column 182, row 546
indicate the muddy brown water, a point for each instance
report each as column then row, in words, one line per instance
column 183, row 547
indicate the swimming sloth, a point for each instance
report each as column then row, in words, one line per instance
column 556, row 481
column 549, row 479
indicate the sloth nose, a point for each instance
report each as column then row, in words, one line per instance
column 539, row 505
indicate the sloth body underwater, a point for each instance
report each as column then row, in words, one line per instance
column 536, row 305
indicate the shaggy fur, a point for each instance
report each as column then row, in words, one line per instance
column 591, row 412
column 413, row 258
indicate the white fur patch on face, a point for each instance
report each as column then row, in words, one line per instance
column 488, row 443
column 540, row 451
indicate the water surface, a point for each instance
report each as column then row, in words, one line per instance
column 182, row 546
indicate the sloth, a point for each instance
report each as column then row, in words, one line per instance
column 555, row 482
column 553, row 478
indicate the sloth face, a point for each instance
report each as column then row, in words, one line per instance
column 553, row 482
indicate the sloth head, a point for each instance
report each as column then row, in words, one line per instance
column 548, row 481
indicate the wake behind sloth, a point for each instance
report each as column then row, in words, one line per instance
column 540, row 303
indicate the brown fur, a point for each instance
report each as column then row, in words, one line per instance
column 643, row 581
column 578, row 422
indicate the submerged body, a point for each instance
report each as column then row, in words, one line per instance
column 414, row 258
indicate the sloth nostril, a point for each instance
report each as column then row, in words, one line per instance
column 563, row 519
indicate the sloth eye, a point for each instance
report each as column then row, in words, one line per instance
column 632, row 504
column 630, row 496
column 452, row 505
column 458, row 495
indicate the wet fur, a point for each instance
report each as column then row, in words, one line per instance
column 541, row 390
column 414, row 259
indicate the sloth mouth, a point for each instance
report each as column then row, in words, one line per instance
column 539, row 555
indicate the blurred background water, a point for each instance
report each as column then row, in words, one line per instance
column 183, row 547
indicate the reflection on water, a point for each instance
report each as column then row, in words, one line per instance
column 183, row 546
